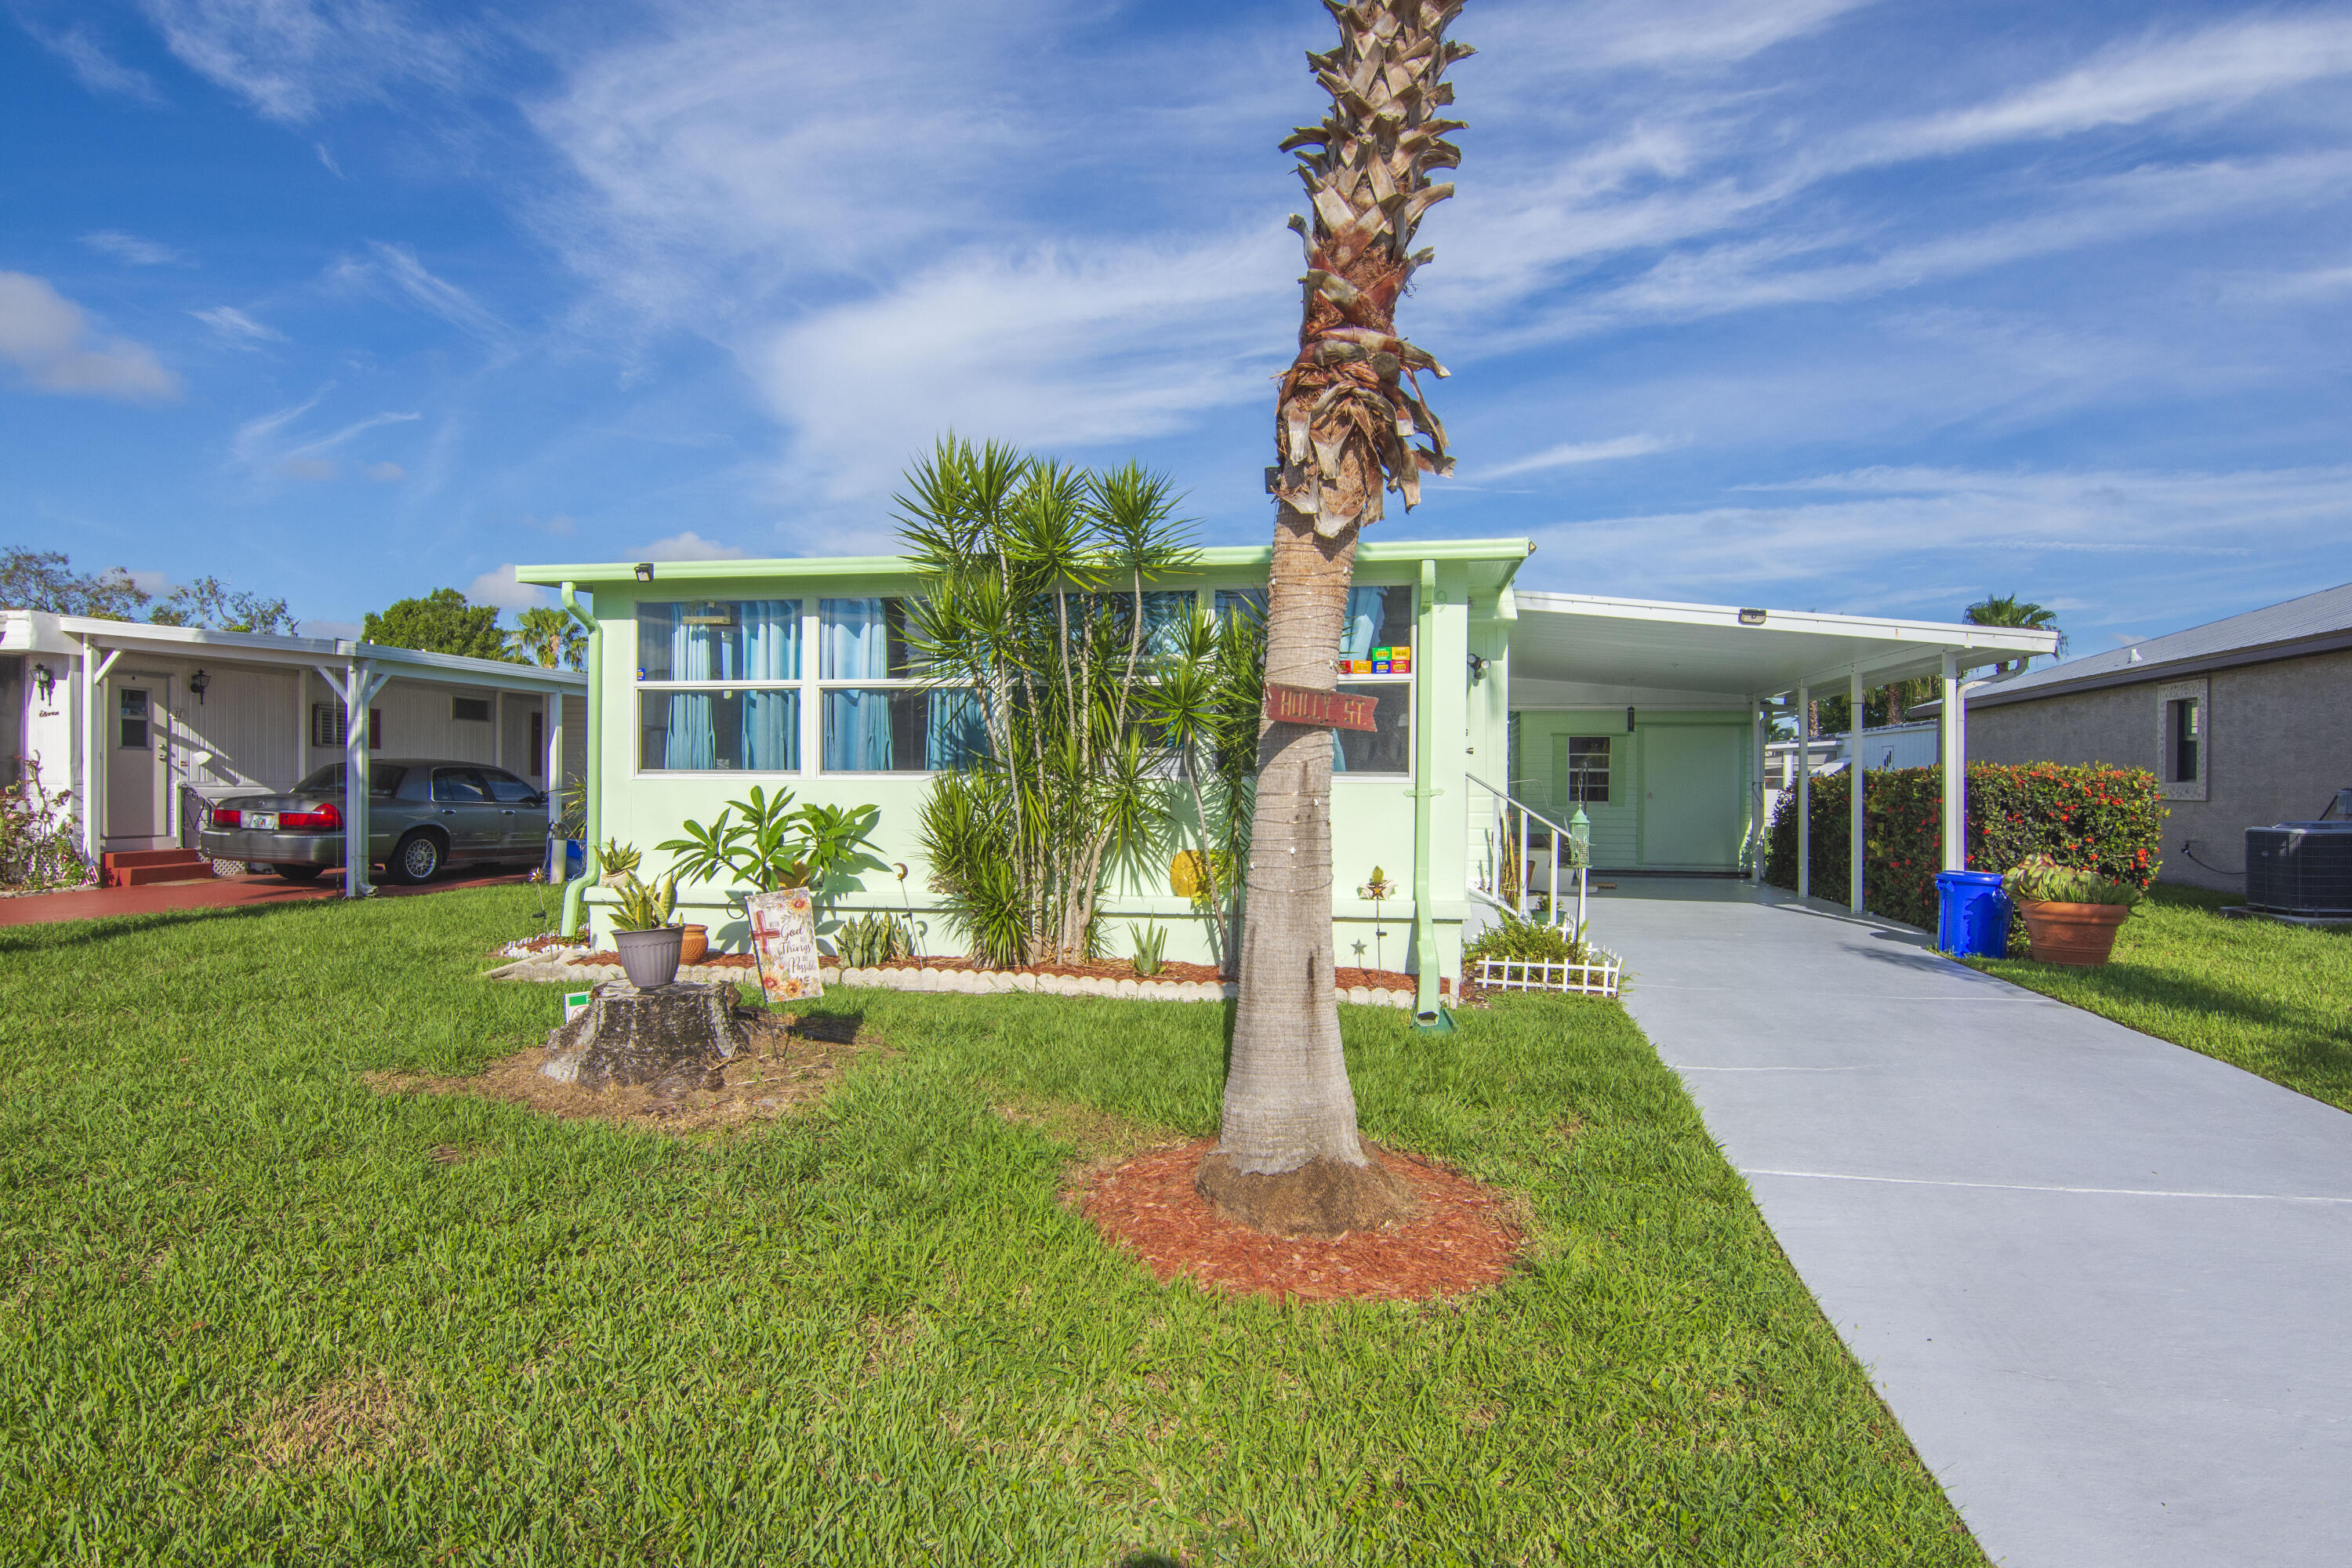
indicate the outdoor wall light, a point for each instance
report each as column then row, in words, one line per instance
column 1629, row 720
column 1477, row 669
column 197, row 683
column 45, row 678
column 644, row 571
column 1751, row 617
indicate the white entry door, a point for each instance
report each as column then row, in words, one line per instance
column 139, row 754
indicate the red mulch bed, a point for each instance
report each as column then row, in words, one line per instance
column 1462, row 1241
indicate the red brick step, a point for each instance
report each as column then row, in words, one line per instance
column 141, row 867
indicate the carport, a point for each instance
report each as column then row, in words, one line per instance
column 1651, row 717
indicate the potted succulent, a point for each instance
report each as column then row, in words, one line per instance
column 647, row 943
column 2071, row 916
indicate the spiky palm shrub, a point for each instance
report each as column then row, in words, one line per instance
column 1033, row 600
column 1288, row 1155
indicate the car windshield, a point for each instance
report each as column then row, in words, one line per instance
column 384, row 780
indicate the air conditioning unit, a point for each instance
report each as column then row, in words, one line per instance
column 2300, row 868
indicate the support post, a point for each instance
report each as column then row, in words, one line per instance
column 1955, row 734
column 551, row 705
column 355, row 780
column 94, row 726
column 1804, row 784
column 1855, row 775
column 592, row 772
column 1427, row 969
column 1760, row 826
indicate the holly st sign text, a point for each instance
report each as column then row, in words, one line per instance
column 1332, row 709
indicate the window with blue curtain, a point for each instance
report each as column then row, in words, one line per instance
column 903, row 727
column 713, row 692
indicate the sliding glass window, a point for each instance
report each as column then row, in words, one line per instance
column 718, row 685
column 878, row 717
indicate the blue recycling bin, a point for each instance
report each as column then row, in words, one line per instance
column 566, row 858
column 1971, row 914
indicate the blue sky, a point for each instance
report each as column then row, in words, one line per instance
column 1797, row 302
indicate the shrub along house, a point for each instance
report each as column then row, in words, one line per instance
column 145, row 725
column 2242, row 720
column 1495, row 706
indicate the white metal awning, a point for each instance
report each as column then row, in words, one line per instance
column 1615, row 650
column 256, row 647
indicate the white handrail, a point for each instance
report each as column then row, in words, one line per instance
column 1508, row 802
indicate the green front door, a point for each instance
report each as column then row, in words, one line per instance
column 1692, row 810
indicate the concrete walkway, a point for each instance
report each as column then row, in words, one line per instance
column 2105, row 1283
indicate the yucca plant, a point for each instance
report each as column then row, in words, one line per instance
column 1032, row 601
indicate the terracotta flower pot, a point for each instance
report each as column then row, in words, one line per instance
column 2080, row 934
column 694, row 944
column 650, row 957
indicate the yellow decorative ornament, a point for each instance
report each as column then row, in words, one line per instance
column 1187, row 877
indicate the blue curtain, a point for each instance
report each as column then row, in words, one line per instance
column 770, row 651
column 856, row 647
column 956, row 733
column 696, row 653
column 1367, row 616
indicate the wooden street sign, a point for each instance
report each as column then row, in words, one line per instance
column 1332, row 709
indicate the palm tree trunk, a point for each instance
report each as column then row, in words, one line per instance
column 1287, row 1156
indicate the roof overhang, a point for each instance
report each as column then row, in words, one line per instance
column 1707, row 651
column 1491, row 562
column 254, row 648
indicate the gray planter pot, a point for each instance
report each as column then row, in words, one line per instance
column 649, row 956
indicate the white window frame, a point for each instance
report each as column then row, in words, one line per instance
column 2198, row 691
column 800, row 689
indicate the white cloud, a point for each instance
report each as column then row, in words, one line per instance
column 394, row 268
column 688, row 546
column 500, row 589
column 386, row 473
column 264, row 446
column 1569, row 453
column 291, row 57
column 130, row 247
column 50, row 340
column 1905, row 525
column 1051, row 348
column 237, row 326
column 2217, row 68
column 98, row 71
column 1552, row 38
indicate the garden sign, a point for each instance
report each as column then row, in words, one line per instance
column 1331, row 709
column 783, row 943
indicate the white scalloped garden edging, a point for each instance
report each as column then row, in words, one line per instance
column 964, row 982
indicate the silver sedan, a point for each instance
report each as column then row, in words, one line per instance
column 422, row 813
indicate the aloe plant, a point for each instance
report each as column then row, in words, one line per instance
column 1151, row 943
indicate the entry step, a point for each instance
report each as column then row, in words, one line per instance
column 140, row 867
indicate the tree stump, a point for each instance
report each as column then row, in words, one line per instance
column 670, row 1039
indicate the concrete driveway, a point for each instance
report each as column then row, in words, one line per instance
column 2105, row 1283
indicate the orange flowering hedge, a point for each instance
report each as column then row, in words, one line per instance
column 2094, row 818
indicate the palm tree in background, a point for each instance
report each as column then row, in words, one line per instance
column 2007, row 610
column 1288, row 1157
column 550, row 638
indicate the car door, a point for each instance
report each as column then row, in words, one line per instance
column 522, row 810
column 463, row 808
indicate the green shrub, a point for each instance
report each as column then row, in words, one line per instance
column 1526, row 940
column 2043, row 880
column 872, row 939
column 2104, row 820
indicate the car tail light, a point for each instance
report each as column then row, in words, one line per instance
column 323, row 815
column 227, row 816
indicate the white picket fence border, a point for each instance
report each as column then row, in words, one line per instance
column 1596, row 979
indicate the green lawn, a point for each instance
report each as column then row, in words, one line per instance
column 2274, row 1000
column 248, row 1315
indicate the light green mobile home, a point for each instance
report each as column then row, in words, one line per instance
column 1507, row 710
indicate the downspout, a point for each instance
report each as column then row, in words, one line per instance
column 593, row 821
column 1425, row 809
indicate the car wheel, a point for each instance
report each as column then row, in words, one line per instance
column 415, row 858
column 297, row 873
